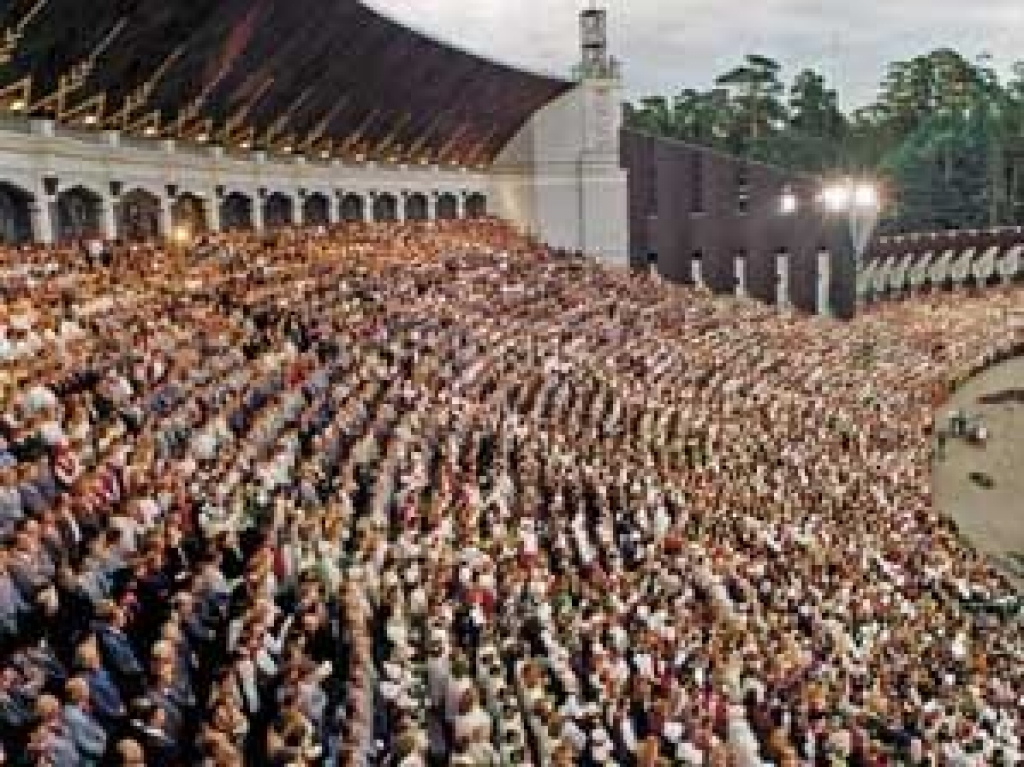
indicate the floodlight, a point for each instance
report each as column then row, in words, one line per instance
column 865, row 195
column 837, row 197
column 789, row 203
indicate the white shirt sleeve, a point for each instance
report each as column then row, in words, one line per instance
column 628, row 736
column 247, row 685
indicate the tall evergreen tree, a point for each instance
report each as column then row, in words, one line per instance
column 756, row 94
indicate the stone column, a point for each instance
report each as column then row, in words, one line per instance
column 212, row 203
column 432, row 206
column 460, row 205
column 42, row 219
column 43, row 210
column 334, row 207
column 782, row 280
column 824, row 306
column 257, row 212
column 401, row 200
column 298, row 209
column 108, row 217
column 696, row 275
column 740, row 270
column 166, row 216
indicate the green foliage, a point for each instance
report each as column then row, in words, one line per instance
column 944, row 133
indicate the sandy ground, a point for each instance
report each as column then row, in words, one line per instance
column 993, row 519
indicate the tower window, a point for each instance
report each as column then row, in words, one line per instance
column 742, row 190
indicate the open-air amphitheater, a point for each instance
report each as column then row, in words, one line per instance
column 351, row 417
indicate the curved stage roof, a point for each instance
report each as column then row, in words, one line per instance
column 322, row 77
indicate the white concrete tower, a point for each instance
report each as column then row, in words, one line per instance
column 560, row 177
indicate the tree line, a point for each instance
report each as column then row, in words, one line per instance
column 945, row 134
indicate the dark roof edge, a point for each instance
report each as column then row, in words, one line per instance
column 444, row 42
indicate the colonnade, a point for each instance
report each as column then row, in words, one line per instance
column 57, row 212
column 58, row 185
column 738, row 282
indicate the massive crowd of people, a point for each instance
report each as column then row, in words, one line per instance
column 433, row 495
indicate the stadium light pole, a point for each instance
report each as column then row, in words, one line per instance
column 860, row 202
column 854, row 205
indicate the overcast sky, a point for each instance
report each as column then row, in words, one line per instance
column 668, row 44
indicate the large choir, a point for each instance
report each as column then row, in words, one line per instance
column 431, row 494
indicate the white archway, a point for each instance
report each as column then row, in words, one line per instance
column 316, row 209
column 138, row 215
column 278, row 210
column 417, row 207
column 79, row 213
column 236, row 211
column 385, row 207
column 353, row 208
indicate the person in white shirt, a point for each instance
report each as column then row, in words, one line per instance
column 472, row 722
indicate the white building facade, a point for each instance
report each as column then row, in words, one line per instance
column 559, row 178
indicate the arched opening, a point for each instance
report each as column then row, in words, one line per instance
column 385, row 207
column 476, row 205
column 236, row 212
column 15, row 214
column 447, row 206
column 316, row 210
column 277, row 211
column 416, row 207
column 352, row 208
column 138, row 216
column 188, row 213
column 78, row 214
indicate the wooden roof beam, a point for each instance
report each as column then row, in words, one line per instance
column 10, row 38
